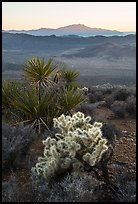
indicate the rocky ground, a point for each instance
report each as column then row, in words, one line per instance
column 125, row 149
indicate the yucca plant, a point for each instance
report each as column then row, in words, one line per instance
column 39, row 73
column 8, row 92
column 69, row 77
column 70, row 98
column 39, row 104
column 37, row 113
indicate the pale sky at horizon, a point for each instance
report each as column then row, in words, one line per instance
column 119, row 16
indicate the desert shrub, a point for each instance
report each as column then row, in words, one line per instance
column 15, row 141
column 127, row 188
column 72, row 188
column 111, row 132
column 121, row 94
column 107, row 91
column 75, row 187
column 119, row 108
column 87, row 109
column 15, row 191
column 77, row 144
column 11, row 191
column 129, row 191
column 96, row 96
column 109, row 100
column 131, row 105
column 125, row 182
column 132, row 90
column 92, row 98
column 91, row 90
column 99, row 96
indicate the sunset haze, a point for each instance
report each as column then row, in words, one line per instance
column 119, row 16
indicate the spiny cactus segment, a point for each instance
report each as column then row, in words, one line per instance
column 77, row 142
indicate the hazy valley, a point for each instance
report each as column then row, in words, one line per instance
column 99, row 59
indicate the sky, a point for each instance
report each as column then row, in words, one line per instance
column 119, row 16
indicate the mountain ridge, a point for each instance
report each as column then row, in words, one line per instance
column 30, row 42
column 74, row 29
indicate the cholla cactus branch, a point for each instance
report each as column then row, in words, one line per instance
column 77, row 142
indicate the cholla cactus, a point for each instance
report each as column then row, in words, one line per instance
column 77, row 142
column 84, row 89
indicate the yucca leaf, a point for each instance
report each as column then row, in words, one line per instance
column 69, row 75
column 39, row 71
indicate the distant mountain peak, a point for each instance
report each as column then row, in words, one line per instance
column 76, row 25
column 74, row 29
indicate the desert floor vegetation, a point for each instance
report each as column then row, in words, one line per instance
column 63, row 142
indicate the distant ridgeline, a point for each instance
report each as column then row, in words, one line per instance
column 24, row 41
column 99, row 59
column 75, row 29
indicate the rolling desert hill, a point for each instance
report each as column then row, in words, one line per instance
column 97, row 58
column 106, row 50
column 25, row 41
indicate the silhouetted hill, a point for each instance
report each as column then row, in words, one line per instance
column 30, row 42
column 75, row 29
